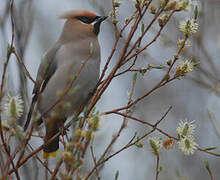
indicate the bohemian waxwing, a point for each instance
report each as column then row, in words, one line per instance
column 58, row 67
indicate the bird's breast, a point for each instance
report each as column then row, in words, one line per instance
column 68, row 72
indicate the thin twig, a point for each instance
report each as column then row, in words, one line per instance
column 129, row 144
column 56, row 169
column 149, row 124
column 23, row 65
column 10, row 50
column 42, row 163
column 95, row 163
column 157, row 167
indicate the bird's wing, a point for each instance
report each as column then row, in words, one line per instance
column 46, row 70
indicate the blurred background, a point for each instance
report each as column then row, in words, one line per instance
column 194, row 97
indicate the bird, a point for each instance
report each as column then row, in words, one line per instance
column 59, row 66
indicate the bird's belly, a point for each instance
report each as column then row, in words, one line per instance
column 71, row 98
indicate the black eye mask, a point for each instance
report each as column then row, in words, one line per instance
column 86, row 19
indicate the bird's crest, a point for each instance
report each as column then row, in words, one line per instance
column 76, row 13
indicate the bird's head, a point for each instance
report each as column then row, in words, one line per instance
column 82, row 23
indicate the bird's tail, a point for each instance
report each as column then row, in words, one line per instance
column 50, row 149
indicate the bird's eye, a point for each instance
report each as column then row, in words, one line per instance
column 86, row 19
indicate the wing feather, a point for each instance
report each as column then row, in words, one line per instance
column 46, row 70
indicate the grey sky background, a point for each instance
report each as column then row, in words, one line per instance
column 193, row 97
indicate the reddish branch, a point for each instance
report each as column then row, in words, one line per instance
column 129, row 144
column 9, row 52
column 157, row 167
column 124, row 57
column 56, row 169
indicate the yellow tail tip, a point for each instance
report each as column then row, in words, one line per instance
column 47, row 155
